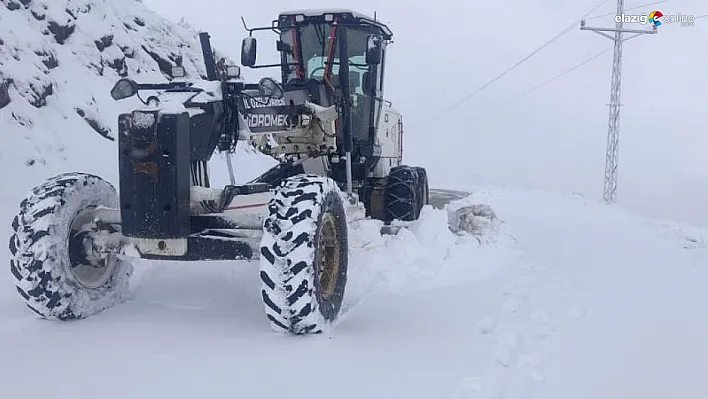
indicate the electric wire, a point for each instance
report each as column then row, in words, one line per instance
column 558, row 36
column 551, row 80
column 577, row 66
column 536, row 51
column 628, row 9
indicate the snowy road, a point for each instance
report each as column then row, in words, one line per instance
column 568, row 299
column 440, row 197
column 613, row 304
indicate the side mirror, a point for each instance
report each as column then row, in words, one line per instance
column 283, row 47
column 270, row 88
column 248, row 51
column 374, row 50
column 280, row 46
column 124, row 88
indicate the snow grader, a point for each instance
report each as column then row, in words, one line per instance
column 339, row 146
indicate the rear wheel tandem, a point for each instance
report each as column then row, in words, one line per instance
column 64, row 265
column 423, row 186
column 304, row 255
column 406, row 193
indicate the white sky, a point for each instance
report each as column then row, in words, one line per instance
column 552, row 138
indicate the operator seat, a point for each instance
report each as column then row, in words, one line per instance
column 314, row 91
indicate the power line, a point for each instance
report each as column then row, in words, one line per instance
column 628, row 9
column 585, row 62
column 484, row 86
column 553, row 39
column 611, row 152
column 553, row 79
column 573, row 68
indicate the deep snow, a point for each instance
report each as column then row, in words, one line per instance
column 566, row 298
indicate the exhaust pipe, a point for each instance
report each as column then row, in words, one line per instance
column 209, row 61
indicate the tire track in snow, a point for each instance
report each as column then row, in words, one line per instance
column 533, row 305
column 538, row 301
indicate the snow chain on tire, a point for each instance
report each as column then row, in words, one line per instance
column 305, row 215
column 40, row 260
column 424, row 188
column 402, row 194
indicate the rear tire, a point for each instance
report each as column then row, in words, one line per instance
column 53, row 272
column 402, row 194
column 304, row 255
column 424, row 188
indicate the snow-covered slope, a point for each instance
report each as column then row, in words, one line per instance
column 58, row 61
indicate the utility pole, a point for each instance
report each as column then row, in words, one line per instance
column 610, row 190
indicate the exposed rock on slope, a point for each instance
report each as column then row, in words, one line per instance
column 58, row 61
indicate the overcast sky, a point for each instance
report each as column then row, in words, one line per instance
column 552, row 138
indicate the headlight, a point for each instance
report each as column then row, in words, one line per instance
column 270, row 88
column 233, row 72
column 178, row 72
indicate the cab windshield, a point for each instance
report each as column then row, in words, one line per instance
column 315, row 41
column 357, row 67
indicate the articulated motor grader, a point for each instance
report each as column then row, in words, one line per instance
column 339, row 149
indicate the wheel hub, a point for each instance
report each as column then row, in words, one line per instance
column 328, row 248
column 92, row 249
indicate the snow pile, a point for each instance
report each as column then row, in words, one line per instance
column 424, row 255
column 475, row 219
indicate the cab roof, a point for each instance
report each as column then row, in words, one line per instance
column 345, row 15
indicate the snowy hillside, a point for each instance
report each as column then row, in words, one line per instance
column 58, row 61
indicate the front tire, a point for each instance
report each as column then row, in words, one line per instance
column 55, row 273
column 304, row 255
